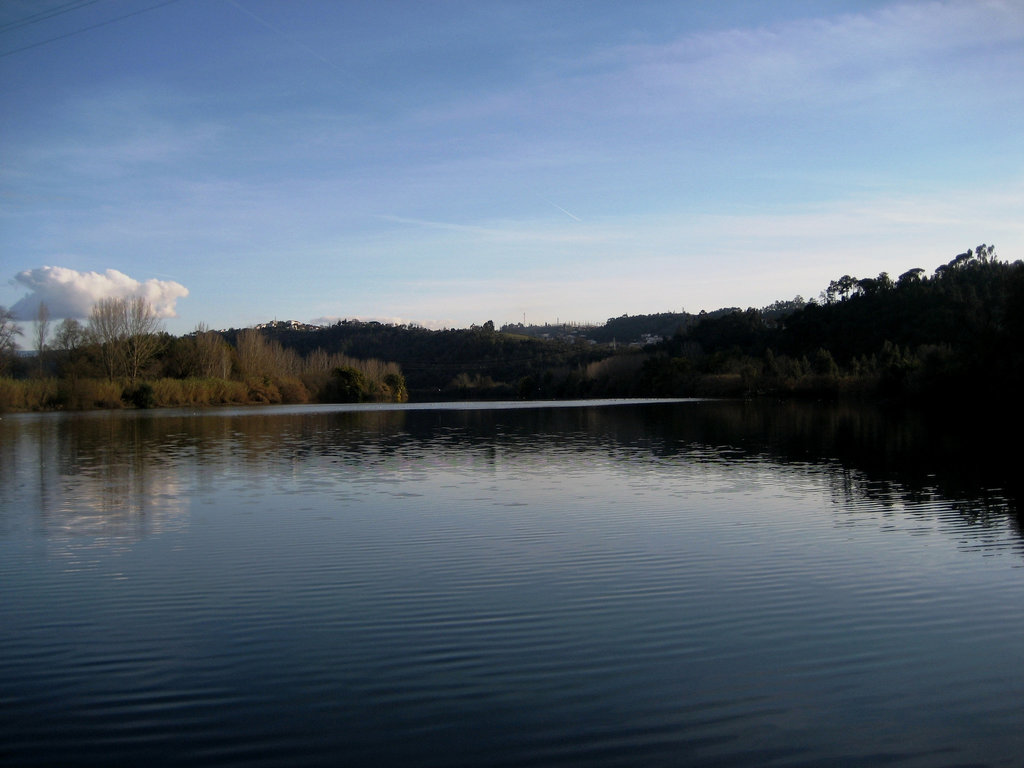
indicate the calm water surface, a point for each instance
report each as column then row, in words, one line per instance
column 687, row 583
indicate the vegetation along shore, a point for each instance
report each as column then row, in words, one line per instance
column 919, row 337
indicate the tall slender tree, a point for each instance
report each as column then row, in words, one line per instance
column 141, row 329
column 40, row 330
column 107, row 332
column 8, row 331
column 213, row 357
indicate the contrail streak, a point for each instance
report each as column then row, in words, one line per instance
column 298, row 43
column 572, row 216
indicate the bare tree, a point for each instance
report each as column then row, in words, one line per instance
column 285, row 362
column 142, row 327
column 8, row 330
column 318, row 361
column 68, row 338
column 40, row 330
column 258, row 356
column 126, row 332
column 213, row 356
column 252, row 353
column 107, row 331
column 69, row 335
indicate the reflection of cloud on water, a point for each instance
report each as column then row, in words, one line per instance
column 110, row 480
column 90, row 484
column 119, row 506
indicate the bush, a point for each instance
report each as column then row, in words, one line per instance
column 292, row 390
column 141, row 395
column 346, row 385
column 29, row 394
column 226, row 392
column 104, row 394
column 396, row 389
column 171, row 392
column 11, row 397
column 262, row 391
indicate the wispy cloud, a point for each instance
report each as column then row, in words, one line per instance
column 114, row 135
column 619, row 163
column 507, row 231
column 706, row 260
column 818, row 61
column 913, row 49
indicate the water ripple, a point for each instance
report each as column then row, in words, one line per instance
column 310, row 587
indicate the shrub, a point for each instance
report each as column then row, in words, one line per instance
column 11, row 397
column 396, row 389
column 262, row 391
column 226, row 392
column 292, row 390
column 104, row 394
column 169, row 392
column 141, row 395
column 346, row 385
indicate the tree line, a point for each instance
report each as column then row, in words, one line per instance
column 916, row 335
column 121, row 357
column 934, row 336
column 457, row 363
column 929, row 337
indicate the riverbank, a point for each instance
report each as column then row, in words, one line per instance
column 53, row 394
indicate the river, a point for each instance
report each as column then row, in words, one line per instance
column 678, row 583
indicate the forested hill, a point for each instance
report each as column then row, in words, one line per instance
column 960, row 329
column 625, row 329
column 956, row 335
column 478, row 361
column 633, row 330
column 962, row 326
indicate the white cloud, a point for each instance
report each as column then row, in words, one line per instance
column 69, row 293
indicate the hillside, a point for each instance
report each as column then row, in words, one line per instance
column 959, row 330
column 870, row 337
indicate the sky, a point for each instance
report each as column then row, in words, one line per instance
column 448, row 163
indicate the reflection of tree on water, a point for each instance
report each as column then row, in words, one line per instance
column 128, row 474
column 905, row 461
column 94, row 477
column 909, row 463
column 902, row 461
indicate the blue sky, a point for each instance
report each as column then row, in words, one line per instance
column 447, row 163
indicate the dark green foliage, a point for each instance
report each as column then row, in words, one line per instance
column 745, row 332
column 823, row 364
column 140, row 395
column 397, row 390
column 347, row 385
column 960, row 330
column 627, row 328
column 665, row 376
